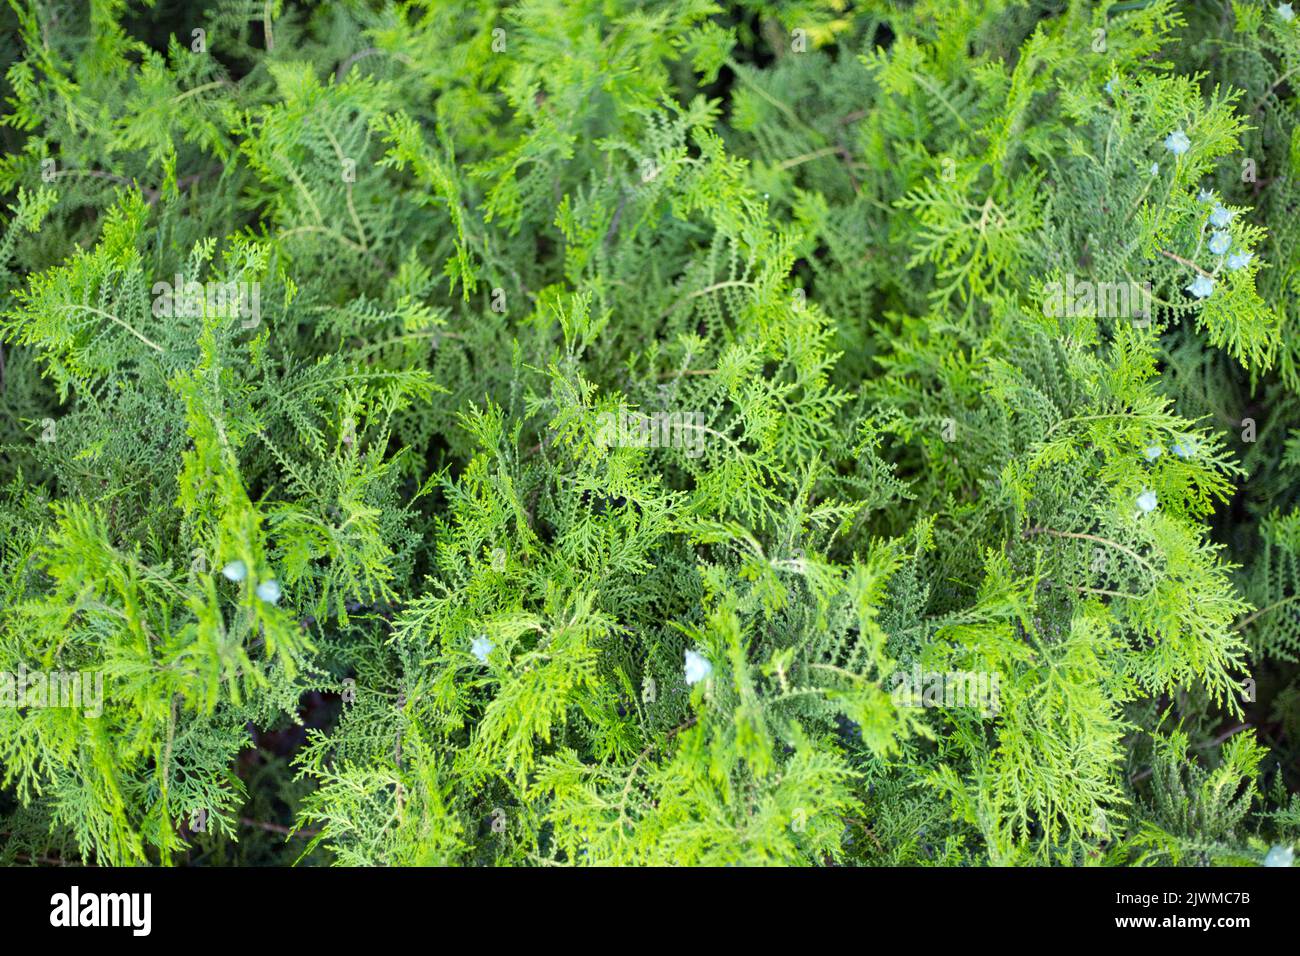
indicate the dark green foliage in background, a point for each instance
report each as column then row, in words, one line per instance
column 367, row 580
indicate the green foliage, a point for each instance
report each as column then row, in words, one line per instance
column 580, row 433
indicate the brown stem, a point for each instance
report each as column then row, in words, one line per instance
column 1186, row 262
column 277, row 828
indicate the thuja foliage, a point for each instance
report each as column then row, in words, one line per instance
column 551, row 433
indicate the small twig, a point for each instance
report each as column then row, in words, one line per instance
column 277, row 828
column 374, row 259
column 1090, row 537
column 108, row 315
column 1246, row 621
column 369, row 51
column 47, row 860
column 1186, row 262
column 1078, row 589
column 678, row 373
column 1138, row 777
column 1223, row 736
column 729, row 284
column 152, row 194
column 1269, row 92
column 200, row 89
column 866, row 829
column 636, row 764
column 815, row 154
column 95, row 174
column 612, row 231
